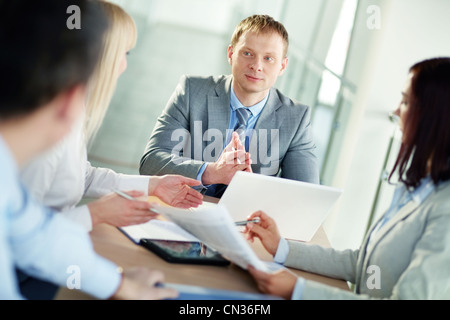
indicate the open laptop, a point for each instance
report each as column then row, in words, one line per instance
column 298, row 208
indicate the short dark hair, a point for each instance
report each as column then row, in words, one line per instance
column 40, row 55
column 426, row 145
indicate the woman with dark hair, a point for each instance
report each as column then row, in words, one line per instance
column 406, row 254
column 426, row 138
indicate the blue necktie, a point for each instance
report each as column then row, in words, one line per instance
column 243, row 114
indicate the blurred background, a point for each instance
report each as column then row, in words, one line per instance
column 348, row 60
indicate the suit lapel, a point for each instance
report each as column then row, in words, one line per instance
column 268, row 117
column 262, row 135
column 406, row 210
column 219, row 108
column 366, row 250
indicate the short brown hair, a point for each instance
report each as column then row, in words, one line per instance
column 260, row 23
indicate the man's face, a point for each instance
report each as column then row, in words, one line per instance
column 256, row 60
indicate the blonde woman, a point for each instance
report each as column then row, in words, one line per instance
column 62, row 177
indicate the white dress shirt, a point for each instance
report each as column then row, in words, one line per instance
column 61, row 177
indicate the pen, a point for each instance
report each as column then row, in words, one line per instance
column 245, row 222
column 123, row 194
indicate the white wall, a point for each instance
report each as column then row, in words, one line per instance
column 412, row 30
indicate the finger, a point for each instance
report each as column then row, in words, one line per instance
column 248, row 158
column 165, row 293
column 190, row 195
column 193, row 199
column 258, row 274
column 189, row 181
column 135, row 193
column 186, row 205
column 230, row 146
column 241, row 167
column 264, row 219
column 140, row 205
column 139, row 220
column 138, row 216
column 259, row 231
column 141, row 213
column 194, row 195
column 237, row 142
column 257, row 214
column 189, row 202
column 231, row 157
column 241, row 154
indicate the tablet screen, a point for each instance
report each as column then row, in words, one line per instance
column 184, row 252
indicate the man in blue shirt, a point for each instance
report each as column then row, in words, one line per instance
column 45, row 66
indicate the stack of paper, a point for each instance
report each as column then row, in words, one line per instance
column 211, row 225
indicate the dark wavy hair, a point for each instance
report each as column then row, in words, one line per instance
column 425, row 149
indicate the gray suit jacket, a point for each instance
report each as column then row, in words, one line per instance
column 193, row 127
column 408, row 258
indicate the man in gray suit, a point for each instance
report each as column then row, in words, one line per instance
column 200, row 117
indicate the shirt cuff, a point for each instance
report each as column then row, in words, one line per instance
column 81, row 215
column 199, row 177
column 298, row 289
column 104, row 281
column 282, row 251
column 134, row 182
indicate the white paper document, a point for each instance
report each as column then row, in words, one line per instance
column 213, row 226
column 159, row 230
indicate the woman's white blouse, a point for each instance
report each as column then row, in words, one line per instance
column 61, row 177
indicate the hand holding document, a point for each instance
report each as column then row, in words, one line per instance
column 213, row 226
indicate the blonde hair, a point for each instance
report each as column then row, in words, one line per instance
column 120, row 37
column 260, row 24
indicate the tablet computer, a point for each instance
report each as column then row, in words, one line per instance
column 190, row 252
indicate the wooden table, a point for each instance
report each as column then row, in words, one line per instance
column 112, row 244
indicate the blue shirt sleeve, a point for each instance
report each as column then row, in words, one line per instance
column 282, row 251
column 49, row 246
column 298, row 289
column 280, row 257
column 201, row 171
column 9, row 287
column 44, row 244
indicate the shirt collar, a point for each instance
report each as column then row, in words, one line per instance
column 255, row 109
column 424, row 189
column 7, row 159
column 417, row 195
